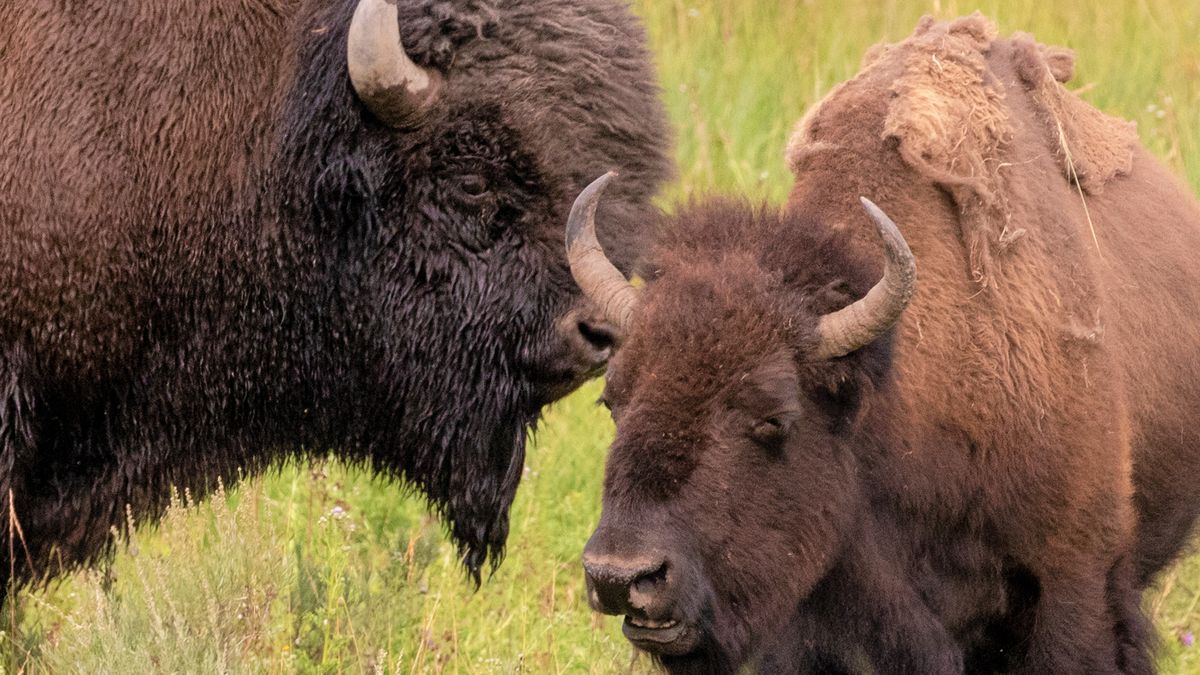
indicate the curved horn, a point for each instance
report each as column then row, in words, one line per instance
column 862, row 322
column 394, row 89
column 601, row 281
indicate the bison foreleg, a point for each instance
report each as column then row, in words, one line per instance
column 16, row 442
column 1133, row 631
column 872, row 606
column 1081, row 628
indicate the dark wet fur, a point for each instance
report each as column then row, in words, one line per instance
column 214, row 258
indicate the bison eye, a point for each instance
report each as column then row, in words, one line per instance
column 473, row 185
column 769, row 432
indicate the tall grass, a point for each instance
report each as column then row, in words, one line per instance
column 323, row 569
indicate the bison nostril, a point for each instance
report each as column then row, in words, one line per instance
column 647, row 586
column 600, row 336
column 649, row 583
column 620, row 586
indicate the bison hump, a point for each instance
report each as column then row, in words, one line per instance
column 949, row 117
column 952, row 119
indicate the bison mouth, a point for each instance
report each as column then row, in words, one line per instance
column 662, row 637
column 578, row 351
column 554, row 383
column 554, row 386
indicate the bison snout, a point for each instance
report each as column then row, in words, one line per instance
column 625, row 585
column 579, row 351
column 590, row 340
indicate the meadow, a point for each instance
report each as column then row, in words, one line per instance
column 324, row 569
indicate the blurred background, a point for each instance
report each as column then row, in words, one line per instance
column 324, row 569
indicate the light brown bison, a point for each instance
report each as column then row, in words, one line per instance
column 814, row 474
column 233, row 231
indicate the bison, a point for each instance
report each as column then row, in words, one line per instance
column 965, row 454
column 235, row 231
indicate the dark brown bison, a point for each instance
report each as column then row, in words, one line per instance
column 237, row 230
column 812, row 474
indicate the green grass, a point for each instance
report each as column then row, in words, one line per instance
column 327, row 570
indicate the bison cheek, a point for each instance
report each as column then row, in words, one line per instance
column 769, row 565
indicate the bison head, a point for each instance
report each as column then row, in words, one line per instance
column 731, row 485
column 428, row 154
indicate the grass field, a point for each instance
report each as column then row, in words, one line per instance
column 322, row 569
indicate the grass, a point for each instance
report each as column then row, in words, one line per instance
column 323, row 569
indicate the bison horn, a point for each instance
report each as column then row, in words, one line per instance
column 601, row 281
column 396, row 90
column 857, row 325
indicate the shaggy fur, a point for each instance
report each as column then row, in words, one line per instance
column 213, row 257
column 987, row 490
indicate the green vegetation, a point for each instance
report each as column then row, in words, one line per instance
column 324, row 569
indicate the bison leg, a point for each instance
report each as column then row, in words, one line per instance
column 1082, row 628
column 807, row 647
column 16, row 444
column 1134, row 634
column 903, row 635
column 1167, row 500
column 874, row 604
column 808, row 663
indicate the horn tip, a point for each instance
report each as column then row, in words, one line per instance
column 584, row 208
column 603, row 181
column 883, row 222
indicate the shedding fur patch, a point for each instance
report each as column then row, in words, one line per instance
column 955, row 120
column 949, row 116
column 1091, row 147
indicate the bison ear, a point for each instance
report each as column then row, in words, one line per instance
column 838, row 387
column 835, row 389
column 772, row 388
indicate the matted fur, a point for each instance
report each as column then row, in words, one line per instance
column 1092, row 147
column 948, row 114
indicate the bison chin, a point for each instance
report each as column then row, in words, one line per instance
column 480, row 494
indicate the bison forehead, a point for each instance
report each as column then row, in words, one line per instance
column 700, row 327
column 552, row 64
column 659, row 444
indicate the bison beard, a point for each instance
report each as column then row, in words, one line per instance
column 264, row 268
